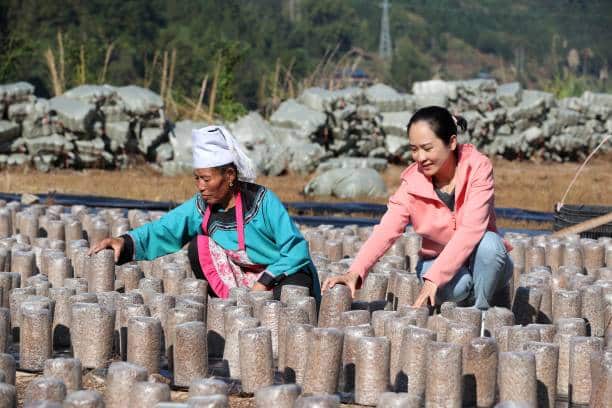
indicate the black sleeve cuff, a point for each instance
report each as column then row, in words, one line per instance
column 127, row 252
column 266, row 279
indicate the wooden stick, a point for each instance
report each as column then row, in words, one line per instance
column 328, row 62
column 50, row 59
column 585, row 225
column 290, row 88
column 346, row 74
column 109, row 51
column 155, row 61
column 344, row 60
column 60, row 44
column 261, row 93
column 213, row 92
column 171, row 76
column 82, row 68
column 356, row 62
column 289, row 79
column 310, row 79
column 150, row 70
column 275, row 84
column 192, row 105
column 162, row 85
column 201, row 96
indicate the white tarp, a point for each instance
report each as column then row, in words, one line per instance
column 293, row 115
column 140, row 101
column 347, row 183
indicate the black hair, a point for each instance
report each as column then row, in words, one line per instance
column 228, row 166
column 440, row 120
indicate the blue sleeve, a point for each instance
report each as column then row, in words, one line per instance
column 293, row 248
column 168, row 234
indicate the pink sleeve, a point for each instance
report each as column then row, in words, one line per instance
column 476, row 210
column 391, row 226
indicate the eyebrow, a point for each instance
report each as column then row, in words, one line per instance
column 423, row 145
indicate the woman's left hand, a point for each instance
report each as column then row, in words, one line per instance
column 427, row 293
column 259, row 287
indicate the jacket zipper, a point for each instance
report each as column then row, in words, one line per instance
column 452, row 213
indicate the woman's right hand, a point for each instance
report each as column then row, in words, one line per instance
column 350, row 279
column 116, row 244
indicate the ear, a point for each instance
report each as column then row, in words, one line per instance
column 453, row 143
column 231, row 174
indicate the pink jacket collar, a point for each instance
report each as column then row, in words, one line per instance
column 420, row 185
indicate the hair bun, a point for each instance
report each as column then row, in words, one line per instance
column 460, row 122
column 440, row 121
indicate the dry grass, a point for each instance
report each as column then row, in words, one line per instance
column 518, row 184
column 539, row 186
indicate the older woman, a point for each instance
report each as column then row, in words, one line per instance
column 447, row 194
column 239, row 233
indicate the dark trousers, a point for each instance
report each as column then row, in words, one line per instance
column 299, row 278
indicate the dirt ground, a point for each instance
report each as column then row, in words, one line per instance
column 528, row 185
column 534, row 186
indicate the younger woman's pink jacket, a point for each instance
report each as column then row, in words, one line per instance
column 451, row 236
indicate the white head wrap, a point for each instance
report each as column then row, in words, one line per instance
column 215, row 146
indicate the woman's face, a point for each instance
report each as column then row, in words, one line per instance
column 428, row 150
column 214, row 184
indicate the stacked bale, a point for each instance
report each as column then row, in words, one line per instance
column 98, row 125
column 503, row 119
column 87, row 126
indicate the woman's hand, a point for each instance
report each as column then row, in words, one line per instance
column 116, row 244
column 350, row 279
column 427, row 293
column 258, row 287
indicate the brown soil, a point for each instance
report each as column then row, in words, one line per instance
column 529, row 185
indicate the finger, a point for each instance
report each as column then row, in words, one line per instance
column 330, row 283
column 100, row 245
column 117, row 253
column 353, row 290
column 93, row 250
column 432, row 299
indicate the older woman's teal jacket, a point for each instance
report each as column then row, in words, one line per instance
column 271, row 237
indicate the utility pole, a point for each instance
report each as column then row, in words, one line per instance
column 384, row 48
column 519, row 60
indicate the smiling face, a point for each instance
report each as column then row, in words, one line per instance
column 214, row 183
column 429, row 151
